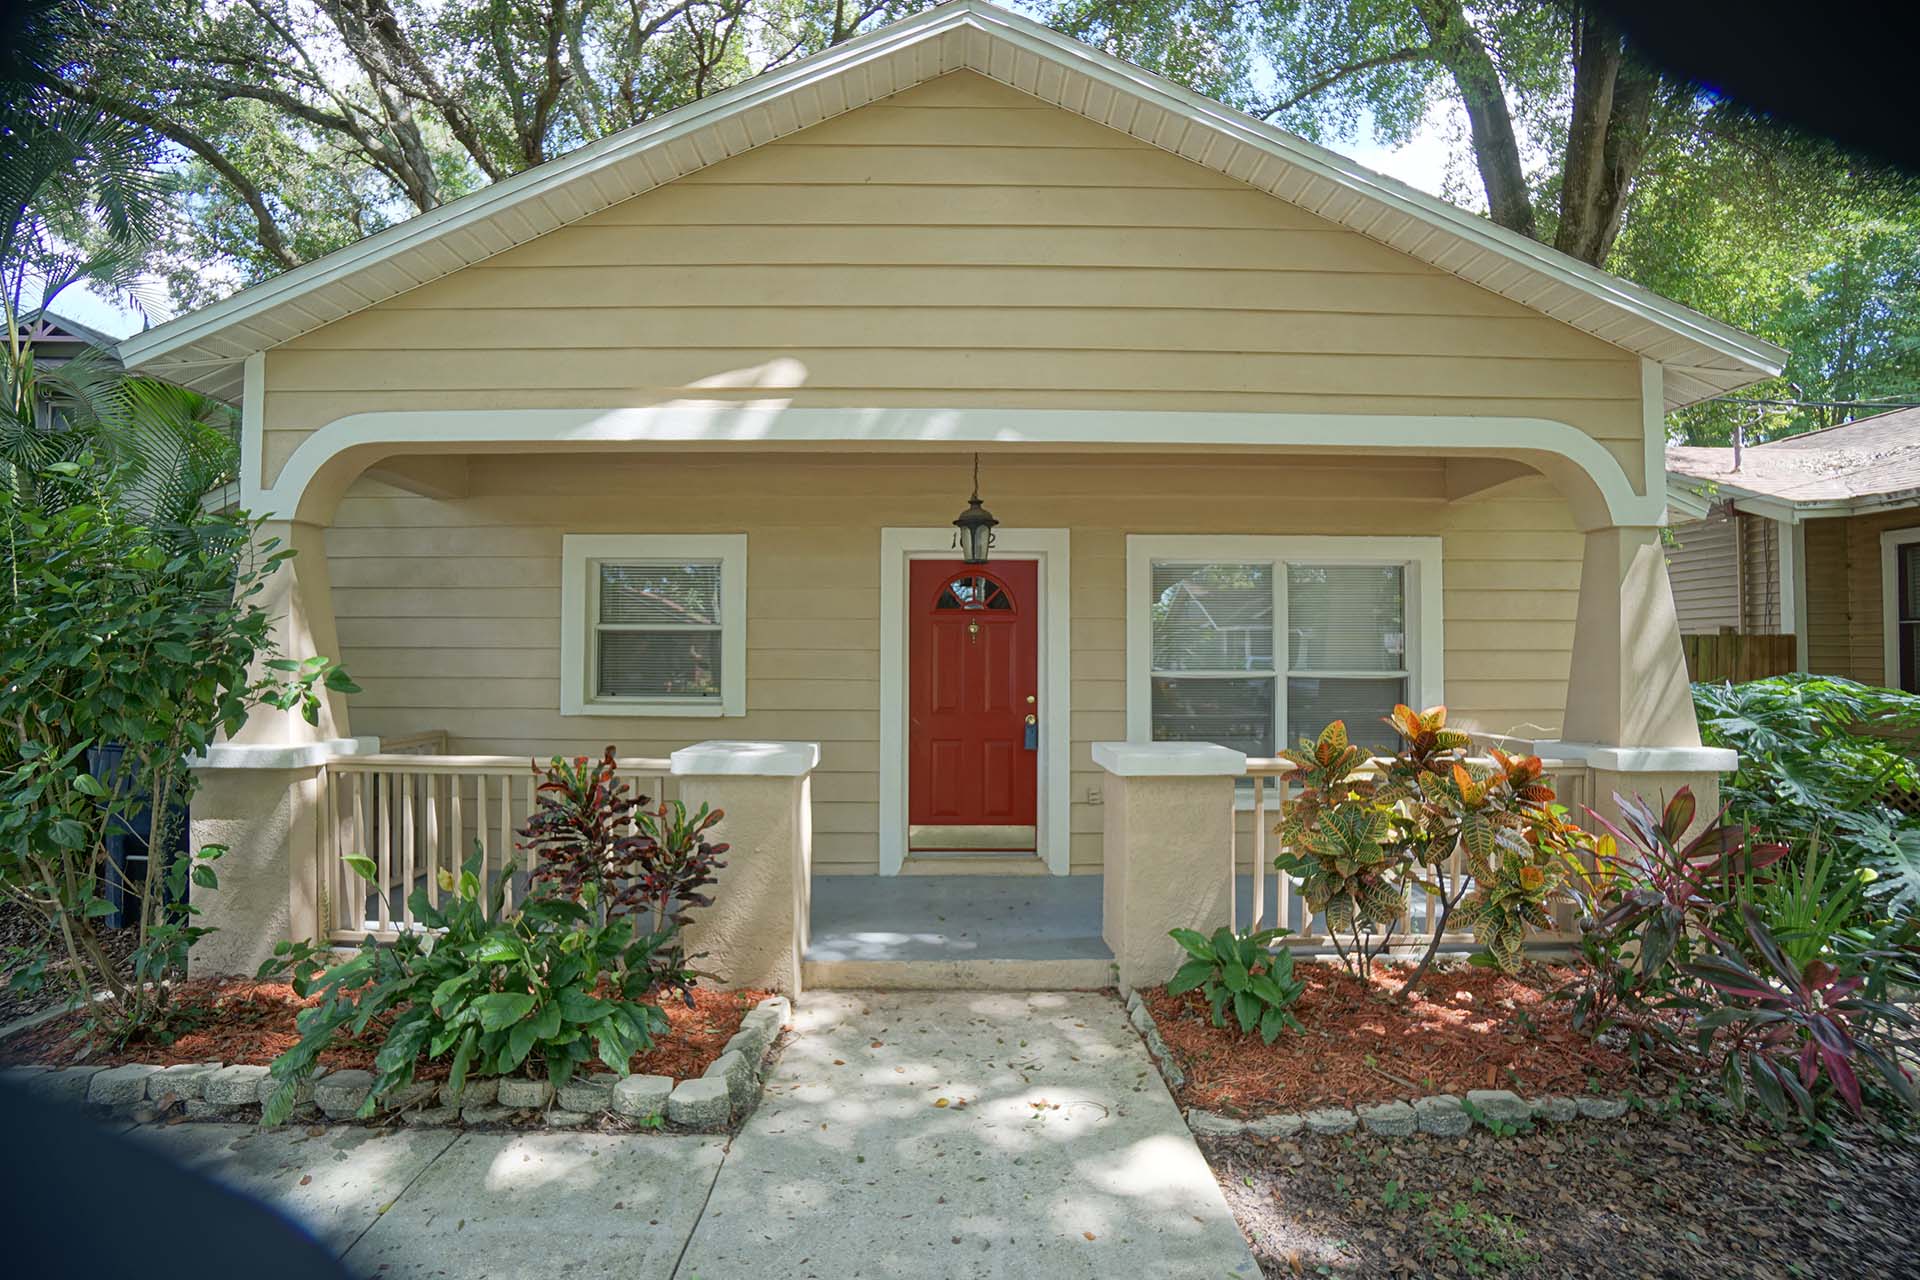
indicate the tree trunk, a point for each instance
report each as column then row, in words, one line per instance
column 1496, row 151
column 1614, row 100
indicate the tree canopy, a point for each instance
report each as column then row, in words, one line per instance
column 298, row 126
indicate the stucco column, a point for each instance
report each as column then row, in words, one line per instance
column 1628, row 685
column 263, row 811
column 299, row 598
column 756, row 930
column 1168, row 846
column 1630, row 715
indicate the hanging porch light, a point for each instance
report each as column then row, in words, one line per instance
column 973, row 527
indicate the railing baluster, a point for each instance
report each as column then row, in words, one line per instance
column 356, row 891
column 405, row 782
column 1259, row 849
column 432, row 782
column 384, row 868
column 480, row 822
column 506, row 833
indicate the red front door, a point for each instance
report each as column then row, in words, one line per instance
column 973, row 662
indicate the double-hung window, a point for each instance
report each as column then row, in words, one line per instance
column 653, row 624
column 1257, row 642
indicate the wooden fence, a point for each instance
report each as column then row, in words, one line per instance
column 1738, row 656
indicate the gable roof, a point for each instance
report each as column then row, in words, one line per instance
column 53, row 336
column 1872, row 464
column 205, row 349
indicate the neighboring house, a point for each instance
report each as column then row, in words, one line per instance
column 661, row 441
column 56, row 340
column 1815, row 535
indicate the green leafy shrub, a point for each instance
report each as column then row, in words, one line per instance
column 144, row 637
column 548, row 987
column 1244, row 972
column 1821, row 754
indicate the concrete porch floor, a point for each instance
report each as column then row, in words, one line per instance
column 958, row 931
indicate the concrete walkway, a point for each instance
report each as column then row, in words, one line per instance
column 1059, row 1154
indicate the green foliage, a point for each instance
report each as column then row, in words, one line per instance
column 492, row 992
column 1790, row 1028
column 117, row 633
column 1485, row 846
column 1249, row 973
column 1819, row 754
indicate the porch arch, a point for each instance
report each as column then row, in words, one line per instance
column 1598, row 490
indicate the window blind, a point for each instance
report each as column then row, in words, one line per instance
column 657, row 630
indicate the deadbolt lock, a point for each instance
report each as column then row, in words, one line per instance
column 1029, row 699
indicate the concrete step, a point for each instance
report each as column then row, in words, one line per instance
column 1070, row 973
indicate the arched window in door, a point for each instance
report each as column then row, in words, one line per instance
column 973, row 591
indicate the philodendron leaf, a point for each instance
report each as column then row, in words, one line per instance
column 362, row 866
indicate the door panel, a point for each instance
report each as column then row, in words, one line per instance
column 973, row 654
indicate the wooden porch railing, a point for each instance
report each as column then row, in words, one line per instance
column 416, row 815
column 1571, row 781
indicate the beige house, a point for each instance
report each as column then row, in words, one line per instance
column 1815, row 536
column 659, row 444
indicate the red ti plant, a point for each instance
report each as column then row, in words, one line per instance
column 1661, row 877
column 600, row 845
column 1792, row 1026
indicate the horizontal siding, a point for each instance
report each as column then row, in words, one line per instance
column 1703, row 567
column 448, row 609
column 1829, row 611
column 1759, row 575
column 957, row 245
column 1866, row 608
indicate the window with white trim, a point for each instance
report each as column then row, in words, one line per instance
column 653, row 624
column 1360, row 622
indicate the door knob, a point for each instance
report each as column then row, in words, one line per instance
column 1032, row 719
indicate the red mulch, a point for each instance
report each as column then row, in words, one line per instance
column 252, row 1023
column 1462, row 1028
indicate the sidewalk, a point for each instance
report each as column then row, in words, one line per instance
column 1058, row 1154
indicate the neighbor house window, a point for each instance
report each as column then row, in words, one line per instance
column 1900, row 559
column 653, row 624
column 1256, row 642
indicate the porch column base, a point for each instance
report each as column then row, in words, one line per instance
column 756, row 930
column 269, row 883
column 1168, row 849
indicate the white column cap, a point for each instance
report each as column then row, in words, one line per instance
column 276, row 755
column 1169, row 759
column 1642, row 759
column 747, row 759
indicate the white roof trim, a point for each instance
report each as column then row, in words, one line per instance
column 1699, row 355
column 1683, row 499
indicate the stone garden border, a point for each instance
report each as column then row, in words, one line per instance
column 709, row 1103
column 1442, row 1115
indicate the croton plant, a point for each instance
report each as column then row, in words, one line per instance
column 1363, row 834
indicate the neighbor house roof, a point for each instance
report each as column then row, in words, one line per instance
column 1872, row 464
column 206, row 348
column 53, row 337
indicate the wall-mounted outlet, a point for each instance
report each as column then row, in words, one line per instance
column 1093, row 795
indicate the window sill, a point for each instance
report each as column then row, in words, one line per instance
column 655, row 710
